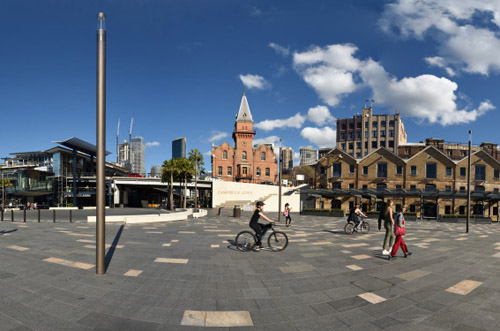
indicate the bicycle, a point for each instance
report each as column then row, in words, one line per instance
column 247, row 241
column 363, row 226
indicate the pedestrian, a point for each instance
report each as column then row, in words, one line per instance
column 286, row 213
column 389, row 228
column 400, row 231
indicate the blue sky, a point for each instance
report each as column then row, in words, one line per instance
column 180, row 67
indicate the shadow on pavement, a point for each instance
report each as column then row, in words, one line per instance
column 111, row 250
column 7, row 231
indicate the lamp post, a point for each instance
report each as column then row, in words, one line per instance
column 468, row 184
column 280, row 165
column 101, row 146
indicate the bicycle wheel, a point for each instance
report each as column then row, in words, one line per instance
column 277, row 241
column 349, row 228
column 245, row 241
column 365, row 227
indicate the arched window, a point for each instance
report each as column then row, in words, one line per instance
column 263, row 156
column 224, row 155
column 244, row 156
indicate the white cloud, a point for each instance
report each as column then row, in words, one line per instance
column 468, row 30
column 267, row 140
column 152, row 144
column 254, row 82
column 438, row 61
column 296, row 121
column 321, row 137
column 207, row 154
column 285, row 51
column 320, row 115
column 217, row 135
column 425, row 97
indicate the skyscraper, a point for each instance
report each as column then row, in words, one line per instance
column 124, row 155
column 287, row 158
column 179, row 148
column 137, row 156
column 308, row 155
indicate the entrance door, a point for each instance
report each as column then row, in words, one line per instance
column 430, row 209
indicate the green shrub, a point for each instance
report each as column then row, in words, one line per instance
column 325, row 210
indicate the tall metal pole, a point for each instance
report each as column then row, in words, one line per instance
column 3, row 192
column 101, row 146
column 280, row 165
column 468, row 183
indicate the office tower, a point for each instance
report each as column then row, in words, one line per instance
column 137, row 156
column 179, row 148
column 308, row 156
column 124, row 155
column 287, row 160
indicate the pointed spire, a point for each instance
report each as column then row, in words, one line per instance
column 244, row 113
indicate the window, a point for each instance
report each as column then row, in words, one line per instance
column 374, row 124
column 413, row 187
column 374, row 134
column 413, row 170
column 391, row 123
column 351, row 168
column 480, row 172
column 382, row 133
column 219, row 171
column 431, row 170
column 230, row 171
column 351, row 126
column 358, row 135
column 358, row 155
column 351, row 185
column 351, row 146
column 496, row 174
column 365, row 187
column 366, row 134
column 391, row 143
column 412, row 209
column 337, row 170
column 358, row 125
column 448, row 171
column 430, row 187
column 461, row 210
column 398, row 188
column 464, row 153
column 244, row 171
column 342, row 136
column 337, row 185
column 257, row 172
column 263, row 156
column 366, row 124
column 462, row 188
column 224, row 155
column 365, row 170
column 358, row 145
column 343, row 126
column 382, row 143
column 381, row 186
column 366, row 144
column 268, row 172
column 447, row 210
column 478, row 188
column 382, row 170
column 322, row 171
column 448, row 189
column 244, row 155
column 343, row 146
column 374, row 144
column 383, row 123
column 462, row 171
column 391, row 133
column 399, row 170
column 351, row 135
column 495, row 190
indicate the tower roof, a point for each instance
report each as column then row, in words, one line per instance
column 244, row 113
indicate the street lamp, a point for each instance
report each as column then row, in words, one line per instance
column 101, row 146
column 280, row 165
column 468, row 183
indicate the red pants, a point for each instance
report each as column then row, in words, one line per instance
column 399, row 242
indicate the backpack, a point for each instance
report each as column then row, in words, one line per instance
column 350, row 217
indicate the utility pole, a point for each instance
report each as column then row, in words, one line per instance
column 280, row 165
column 468, row 183
column 101, row 146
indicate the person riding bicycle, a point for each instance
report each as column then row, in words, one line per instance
column 355, row 215
column 259, row 228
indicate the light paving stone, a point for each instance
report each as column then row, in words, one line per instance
column 187, row 232
column 166, row 245
column 215, row 245
column 174, row 240
column 361, row 257
column 345, row 251
column 462, row 239
column 133, row 273
column 170, row 260
column 228, row 319
column 154, row 232
column 90, row 241
column 496, row 254
column 18, row 248
column 313, row 254
column 322, row 243
column 149, row 228
column 194, row 318
column 355, row 245
column 354, row 267
column 297, row 268
column 464, row 287
column 371, row 297
column 105, row 246
column 68, row 263
column 412, row 275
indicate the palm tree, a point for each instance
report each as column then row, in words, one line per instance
column 169, row 169
column 197, row 158
column 186, row 168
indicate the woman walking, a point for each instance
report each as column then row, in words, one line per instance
column 286, row 213
column 400, row 232
column 389, row 229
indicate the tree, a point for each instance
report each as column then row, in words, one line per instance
column 169, row 169
column 305, row 170
column 186, row 168
column 197, row 158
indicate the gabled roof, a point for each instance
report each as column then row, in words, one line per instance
column 383, row 150
column 244, row 114
column 430, row 147
column 344, row 154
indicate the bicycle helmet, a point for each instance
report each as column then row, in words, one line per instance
column 260, row 203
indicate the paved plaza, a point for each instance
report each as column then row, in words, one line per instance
column 187, row 275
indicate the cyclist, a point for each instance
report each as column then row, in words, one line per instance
column 355, row 215
column 259, row 228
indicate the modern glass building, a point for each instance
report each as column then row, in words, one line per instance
column 179, row 148
column 138, row 156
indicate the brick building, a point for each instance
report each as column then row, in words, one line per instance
column 244, row 162
column 430, row 178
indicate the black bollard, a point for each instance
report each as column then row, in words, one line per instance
column 54, row 215
column 70, row 216
column 38, row 215
column 2, row 215
column 24, row 215
column 12, row 215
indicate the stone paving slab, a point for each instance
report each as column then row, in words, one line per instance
column 324, row 280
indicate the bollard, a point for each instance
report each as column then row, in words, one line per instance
column 70, row 216
column 12, row 215
column 2, row 215
column 24, row 215
column 38, row 215
column 54, row 215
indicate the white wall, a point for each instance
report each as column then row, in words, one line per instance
column 232, row 191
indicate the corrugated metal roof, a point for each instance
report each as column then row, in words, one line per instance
column 80, row 145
